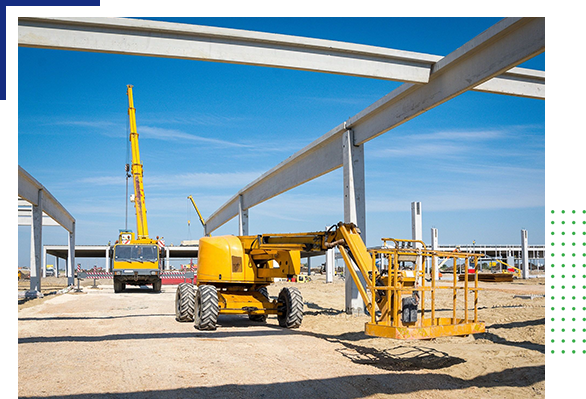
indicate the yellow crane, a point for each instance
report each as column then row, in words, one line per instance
column 203, row 223
column 136, row 259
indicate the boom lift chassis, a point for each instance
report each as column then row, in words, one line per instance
column 233, row 273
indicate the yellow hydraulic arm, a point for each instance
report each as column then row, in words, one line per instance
column 392, row 296
column 142, row 229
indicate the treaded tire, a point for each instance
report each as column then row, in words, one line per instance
column 118, row 286
column 185, row 302
column 290, row 308
column 206, row 310
column 260, row 318
column 157, row 285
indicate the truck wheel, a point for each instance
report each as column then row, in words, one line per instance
column 206, row 307
column 118, row 285
column 185, row 302
column 260, row 318
column 157, row 285
column 290, row 308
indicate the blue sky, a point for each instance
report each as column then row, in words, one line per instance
column 477, row 162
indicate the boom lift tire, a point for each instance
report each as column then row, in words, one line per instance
column 118, row 285
column 185, row 302
column 260, row 318
column 291, row 308
column 206, row 307
column 157, row 285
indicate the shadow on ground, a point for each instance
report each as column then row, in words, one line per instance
column 346, row 387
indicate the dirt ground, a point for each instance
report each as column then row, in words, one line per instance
column 97, row 344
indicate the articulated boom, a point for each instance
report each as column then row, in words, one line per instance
column 233, row 272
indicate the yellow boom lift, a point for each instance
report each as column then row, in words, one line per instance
column 136, row 258
column 234, row 271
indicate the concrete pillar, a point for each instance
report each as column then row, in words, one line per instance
column 107, row 265
column 354, row 209
column 56, row 266
column 167, row 259
column 510, row 261
column 524, row 254
column 416, row 230
column 71, row 257
column 36, row 243
column 330, row 264
column 44, row 262
column 434, row 247
column 242, row 218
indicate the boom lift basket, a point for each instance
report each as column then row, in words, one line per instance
column 405, row 289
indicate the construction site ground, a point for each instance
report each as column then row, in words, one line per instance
column 97, row 344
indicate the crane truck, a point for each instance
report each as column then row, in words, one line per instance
column 137, row 259
column 234, row 272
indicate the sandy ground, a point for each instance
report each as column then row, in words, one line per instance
column 98, row 344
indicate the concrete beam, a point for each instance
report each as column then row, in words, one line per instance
column 28, row 188
column 498, row 49
column 501, row 47
column 185, row 41
column 194, row 42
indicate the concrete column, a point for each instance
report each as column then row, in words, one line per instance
column 167, row 259
column 56, row 266
column 416, row 230
column 330, row 264
column 44, row 262
column 354, row 209
column 36, row 243
column 71, row 257
column 524, row 254
column 107, row 265
column 510, row 261
column 242, row 218
column 434, row 247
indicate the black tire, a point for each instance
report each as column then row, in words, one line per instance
column 260, row 318
column 118, row 286
column 290, row 308
column 157, row 285
column 206, row 310
column 185, row 302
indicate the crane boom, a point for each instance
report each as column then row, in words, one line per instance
column 142, row 230
column 203, row 223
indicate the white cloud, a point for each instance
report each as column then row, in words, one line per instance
column 151, row 132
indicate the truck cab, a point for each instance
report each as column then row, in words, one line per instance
column 136, row 262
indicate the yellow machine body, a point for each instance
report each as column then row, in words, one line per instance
column 239, row 268
column 225, row 260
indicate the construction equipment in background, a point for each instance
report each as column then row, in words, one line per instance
column 137, row 260
column 203, row 223
column 234, row 271
column 515, row 271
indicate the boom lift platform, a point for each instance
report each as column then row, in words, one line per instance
column 234, row 271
